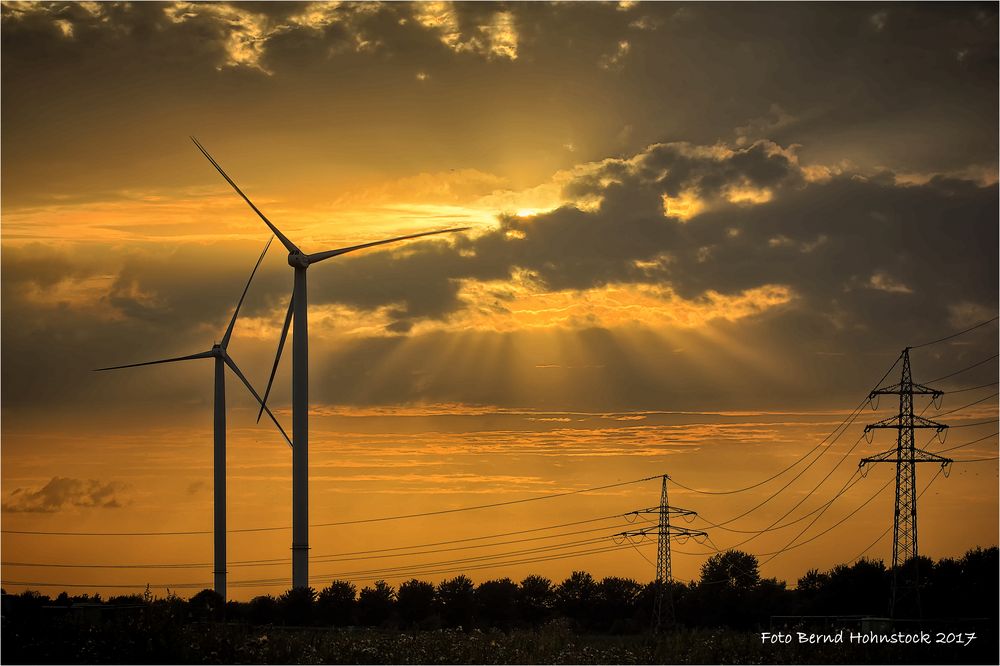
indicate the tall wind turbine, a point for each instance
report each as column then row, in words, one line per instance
column 298, row 305
column 221, row 355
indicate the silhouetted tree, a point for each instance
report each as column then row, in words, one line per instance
column 861, row 588
column 296, row 606
column 496, row 603
column 264, row 610
column 375, row 604
column 415, row 602
column 207, row 605
column 723, row 595
column 335, row 604
column 456, row 597
column 683, row 599
column 614, row 604
column 535, row 600
column 733, row 568
column 980, row 571
column 575, row 596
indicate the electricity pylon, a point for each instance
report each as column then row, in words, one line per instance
column 663, row 605
column 905, row 455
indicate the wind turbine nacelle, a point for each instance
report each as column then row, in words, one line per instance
column 298, row 260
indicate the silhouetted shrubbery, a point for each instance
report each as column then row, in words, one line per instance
column 729, row 594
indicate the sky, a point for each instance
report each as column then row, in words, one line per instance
column 700, row 234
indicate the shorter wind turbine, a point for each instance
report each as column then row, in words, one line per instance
column 221, row 355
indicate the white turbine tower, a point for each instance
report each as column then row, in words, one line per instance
column 221, row 355
column 298, row 305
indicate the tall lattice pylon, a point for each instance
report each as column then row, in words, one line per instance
column 663, row 603
column 905, row 455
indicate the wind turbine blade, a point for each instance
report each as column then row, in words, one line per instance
column 320, row 256
column 232, row 322
column 232, row 366
column 277, row 357
column 206, row 354
column 284, row 241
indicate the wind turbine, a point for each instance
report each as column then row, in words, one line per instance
column 222, row 358
column 298, row 306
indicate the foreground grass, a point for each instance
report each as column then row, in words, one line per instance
column 219, row 643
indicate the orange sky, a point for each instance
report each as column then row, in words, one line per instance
column 685, row 257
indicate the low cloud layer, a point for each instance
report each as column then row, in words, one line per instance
column 63, row 493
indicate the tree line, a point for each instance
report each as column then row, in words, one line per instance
column 730, row 593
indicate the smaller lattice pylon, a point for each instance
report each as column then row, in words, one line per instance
column 663, row 607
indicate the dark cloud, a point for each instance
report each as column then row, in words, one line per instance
column 859, row 244
column 101, row 97
column 912, row 91
column 871, row 264
column 62, row 493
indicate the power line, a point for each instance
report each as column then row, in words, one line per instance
column 843, row 424
column 337, row 557
column 779, row 527
column 962, row 446
column 958, row 409
column 970, row 425
column 965, row 369
column 792, row 545
column 489, row 506
column 810, row 493
column 972, row 460
column 793, row 480
column 418, row 572
column 276, row 582
column 934, row 400
column 344, row 522
column 479, row 558
column 848, row 420
column 970, row 388
column 955, row 335
column 821, row 510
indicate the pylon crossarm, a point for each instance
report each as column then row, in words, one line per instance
column 944, row 461
column 914, row 389
column 886, row 390
column 672, row 530
column 919, row 455
column 894, row 422
column 921, row 422
column 885, row 456
column 926, row 390
column 672, row 510
column 890, row 422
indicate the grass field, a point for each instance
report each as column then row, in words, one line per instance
column 74, row 642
